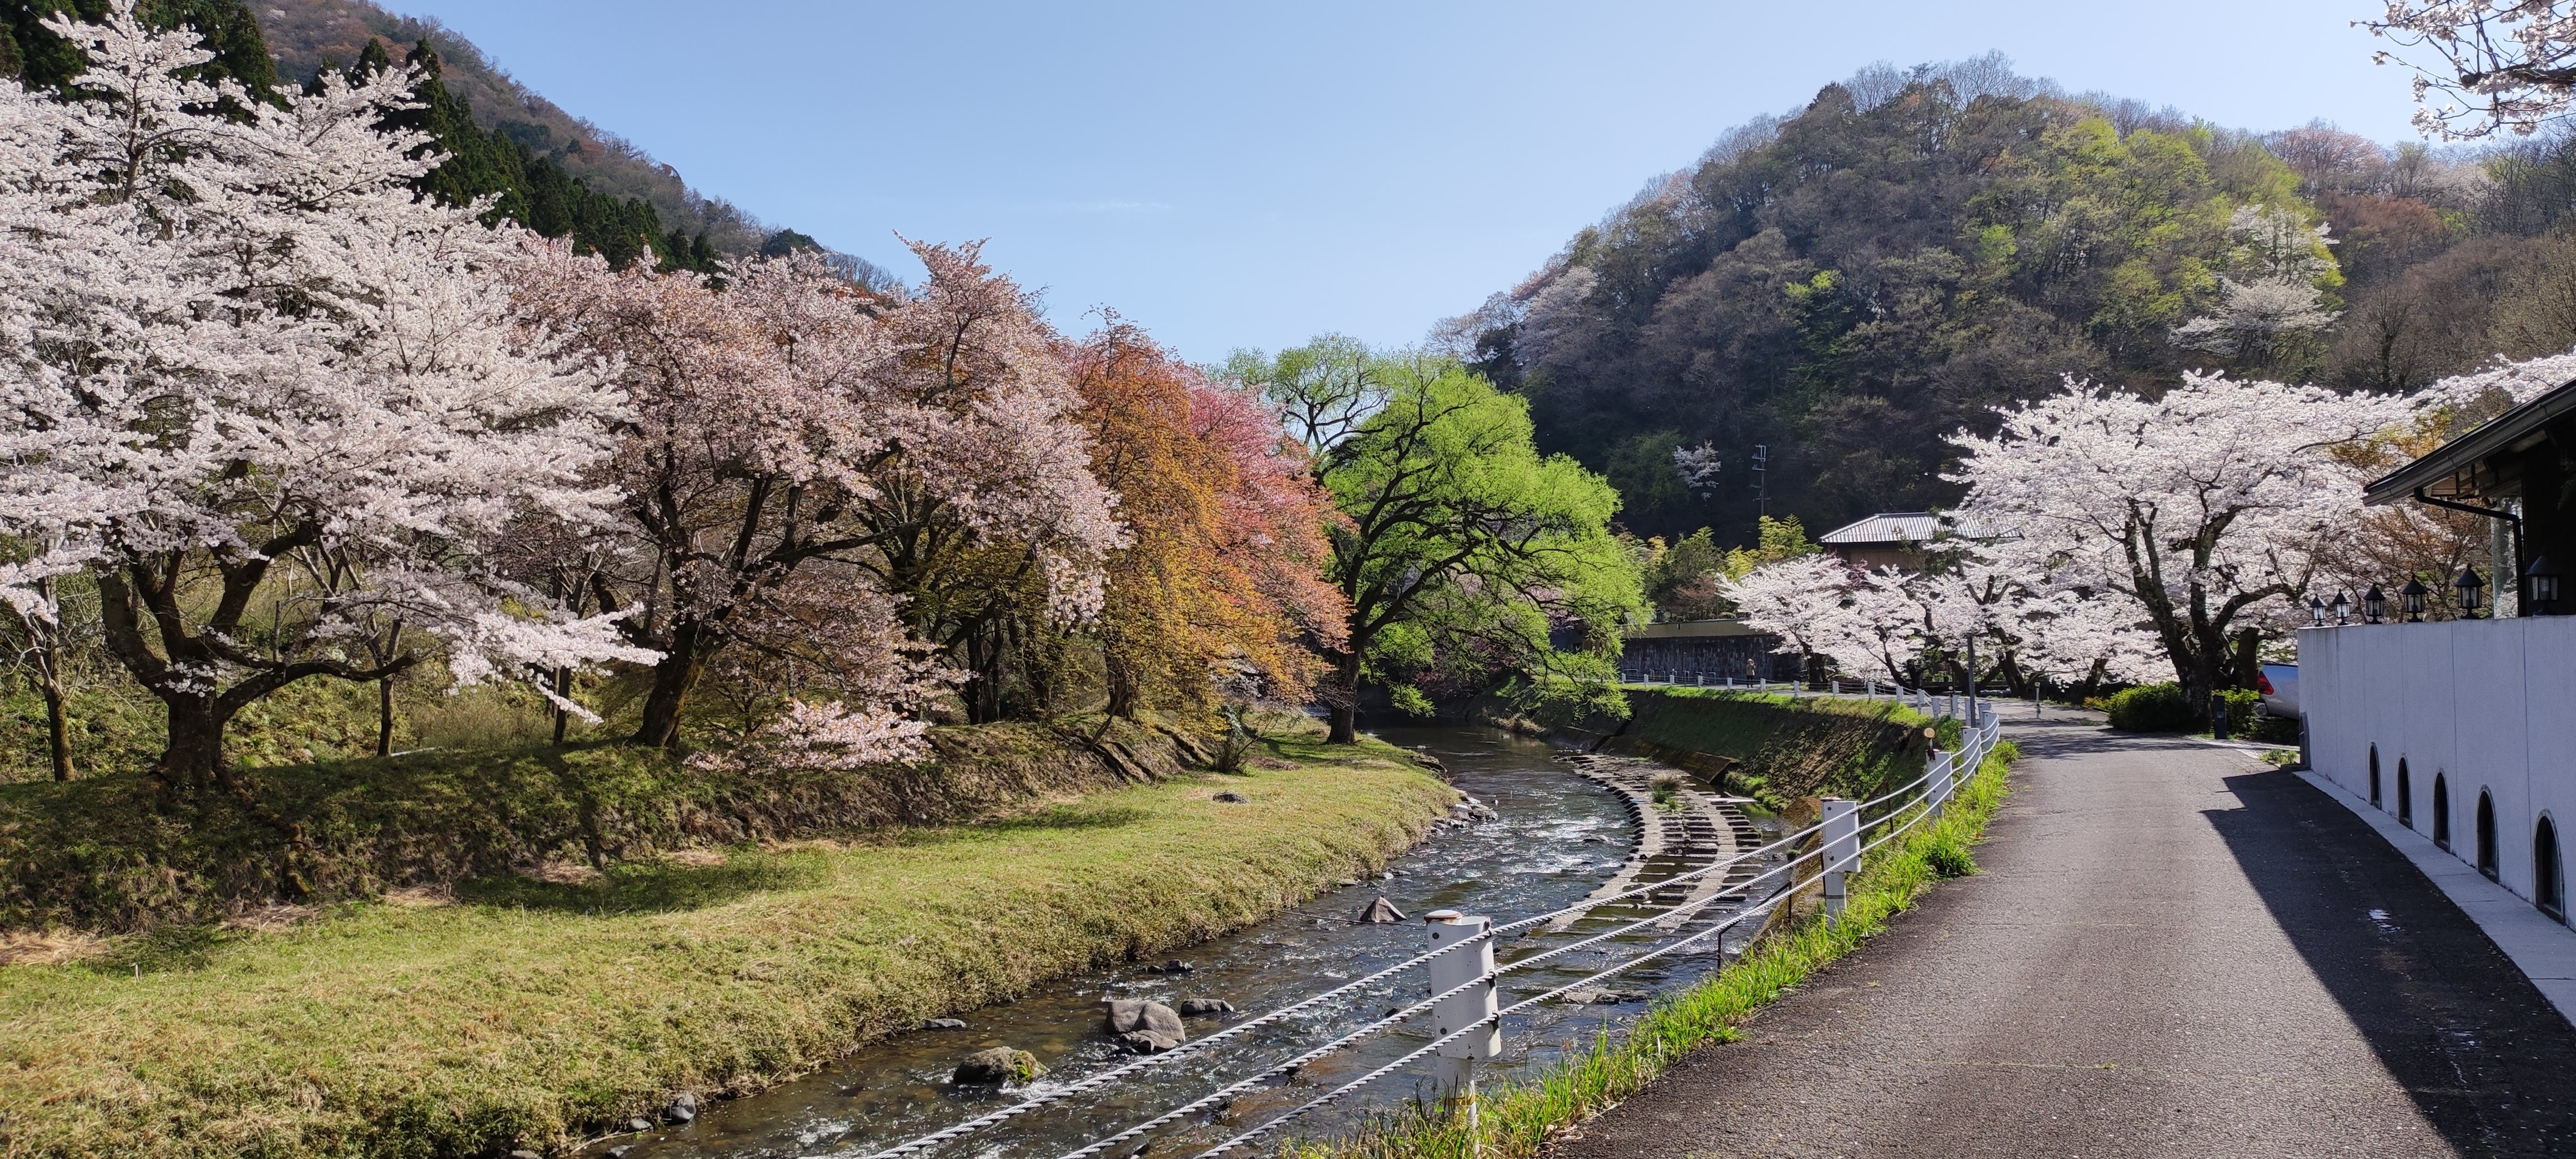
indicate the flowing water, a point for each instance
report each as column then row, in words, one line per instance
column 1557, row 836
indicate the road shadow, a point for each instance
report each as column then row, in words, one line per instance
column 2486, row 1058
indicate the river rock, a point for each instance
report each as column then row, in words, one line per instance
column 524, row 1153
column 1175, row 966
column 1146, row 1027
column 1204, row 1007
column 1603, row 997
column 944, row 1024
column 1232, row 798
column 619, row 1151
column 639, row 1123
column 998, row 1065
column 1381, row 913
column 683, row 1108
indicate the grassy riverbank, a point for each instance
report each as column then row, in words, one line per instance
column 531, row 1011
column 1516, row 1120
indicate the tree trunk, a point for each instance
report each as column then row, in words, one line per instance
column 58, row 717
column 193, row 757
column 1346, row 703
column 563, row 689
column 682, row 664
column 2249, row 658
column 385, row 717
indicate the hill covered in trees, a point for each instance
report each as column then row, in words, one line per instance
column 560, row 175
column 1852, row 282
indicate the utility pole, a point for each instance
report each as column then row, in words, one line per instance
column 1761, row 499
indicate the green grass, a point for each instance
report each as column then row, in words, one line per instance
column 109, row 854
column 1779, row 748
column 1517, row 1120
column 529, row 1013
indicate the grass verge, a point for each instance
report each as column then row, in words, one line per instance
column 527, row 1012
column 1517, row 1120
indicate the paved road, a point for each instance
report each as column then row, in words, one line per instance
column 2173, row 950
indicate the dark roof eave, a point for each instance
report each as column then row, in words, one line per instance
column 2466, row 451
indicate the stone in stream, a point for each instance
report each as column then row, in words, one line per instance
column 1600, row 997
column 1381, row 913
column 619, row 1151
column 944, row 1024
column 1146, row 1027
column 996, row 1066
column 1175, row 966
column 639, row 1123
column 683, row 1108
column 1204, row 1007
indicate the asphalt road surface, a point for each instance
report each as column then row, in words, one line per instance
column 2172, row 950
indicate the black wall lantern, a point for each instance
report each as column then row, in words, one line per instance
column 2413, row 597
column 2540, row 580
column 2374, row 605
column 2469, row 585
column 2317, row 610
column 2342, row 609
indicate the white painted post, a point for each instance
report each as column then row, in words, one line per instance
column 1937, row 789
column 1842, row 851
column 1455, row 1072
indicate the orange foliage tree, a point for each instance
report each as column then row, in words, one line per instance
column 1221, row 589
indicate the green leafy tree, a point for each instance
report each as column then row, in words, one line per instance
column 1467, row 556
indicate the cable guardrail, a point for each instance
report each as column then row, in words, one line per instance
column 1768, row 903
column 1943, row 773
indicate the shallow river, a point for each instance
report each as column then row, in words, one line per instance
column 1557, row 837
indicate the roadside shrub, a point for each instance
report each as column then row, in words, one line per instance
column 2152, row 708
column 2244, row 710
column 2276, row 729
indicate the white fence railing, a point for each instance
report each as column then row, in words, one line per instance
column 1464, row 979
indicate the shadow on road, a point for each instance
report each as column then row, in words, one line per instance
column 2485, row 1057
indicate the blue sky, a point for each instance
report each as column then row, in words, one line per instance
column 1248, row 175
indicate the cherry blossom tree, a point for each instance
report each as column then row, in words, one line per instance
column 2483, row 66
column 1801, row 601
column 265, row 396
column 2274, row 302
column 2206, row 510
column 794, row 435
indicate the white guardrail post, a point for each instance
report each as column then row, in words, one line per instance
column 1842, row 851
column 1455, row 1073
column 1937, row 790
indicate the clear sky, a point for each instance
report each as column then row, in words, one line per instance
column 1248, row 175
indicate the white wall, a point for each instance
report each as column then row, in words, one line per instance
column 2488, row 704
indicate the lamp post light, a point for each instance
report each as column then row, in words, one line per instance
column 2413, row 597
column 2342, row 609
column 2540, row 580
column 2374, row 606
column 2469, row 585
column 2317, row 611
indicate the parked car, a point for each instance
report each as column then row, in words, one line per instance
column 2279, row 684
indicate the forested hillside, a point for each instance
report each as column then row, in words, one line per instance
column 1853, row 282
column 557, row 174
column 306, row 35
